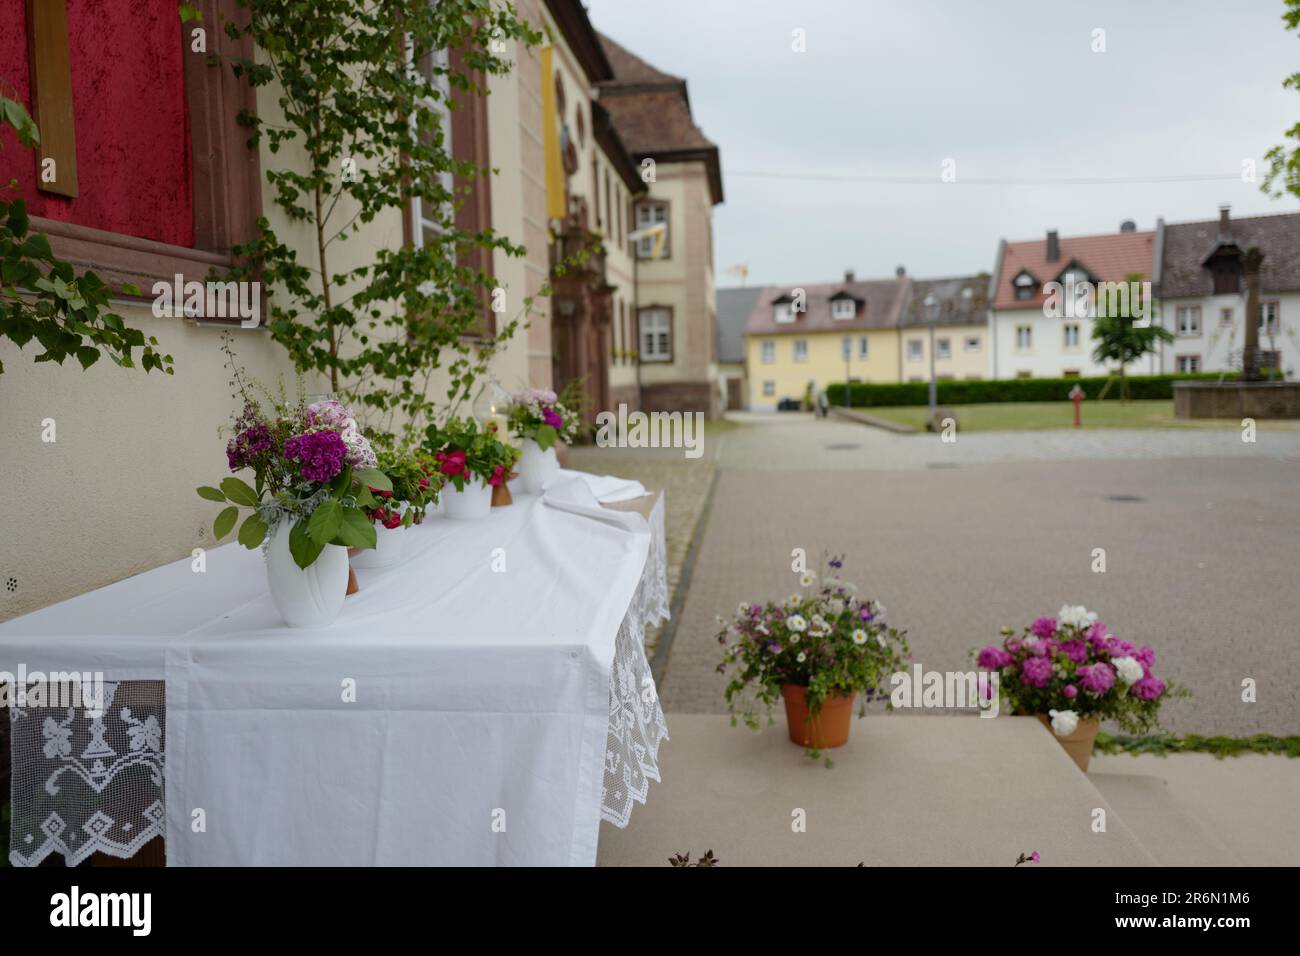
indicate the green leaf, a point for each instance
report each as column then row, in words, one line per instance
column 239, row 492
column 301, row 545
column 546, row 436
column 325, row 521
column 374, row 478
column 253, row 531
column 210, row 493
column 356, row 531
column 225, row 521
column 190, row 12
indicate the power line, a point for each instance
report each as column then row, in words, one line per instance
column 983, row 181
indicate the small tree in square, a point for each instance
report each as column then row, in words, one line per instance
column 1119, row 339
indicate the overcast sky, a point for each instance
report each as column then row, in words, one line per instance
column 1009, row 89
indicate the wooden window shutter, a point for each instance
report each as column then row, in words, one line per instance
column 51, row 76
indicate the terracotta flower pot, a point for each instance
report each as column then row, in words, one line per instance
column 829, row 728
column 501, row 496
column 1078, row 744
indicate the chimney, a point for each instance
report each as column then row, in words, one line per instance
column 1128, row 225
column 1224, row 223
column 900, row 272
column 1053, row 246
column 848, row 276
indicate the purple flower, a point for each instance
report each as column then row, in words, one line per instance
column 1070, row 691
column 1043, row 627
column 1148, row 688
column 1037, row 672
column 1076, row 651
column 1119, row 648
column 320, row 454
column 994, row 658
column 1097, row 678
column 552, row 418
column 1145, row 656
column 245, row 447
column 1096, row 636
column 865, row 613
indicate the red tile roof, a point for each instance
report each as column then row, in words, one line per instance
column 880, row 301
column 1107, row 258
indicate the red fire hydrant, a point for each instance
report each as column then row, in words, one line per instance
column 1076, row 396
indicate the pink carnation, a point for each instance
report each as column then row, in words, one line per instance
column 1043, row 627
column 1037, row 672
column 1096, row 679
column 1148, row 688
column 994, row 658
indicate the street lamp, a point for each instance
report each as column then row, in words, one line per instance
column 932, row 316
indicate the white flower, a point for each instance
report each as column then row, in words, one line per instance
column 819, row 621
column 806, row 579
column 859, row 636
column 796, row 622
column 880, row 611
column 880, row 639
column 1076, row 616
column 836, row 606
column 1030, row 640
column 802, row 657
column 1129, row 669
column 1064, row 722
column 743, row 609
column 793, row 600
column 794, row 638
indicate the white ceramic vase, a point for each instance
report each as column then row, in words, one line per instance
column 536, row 467
column 387, row 550
column 311, row 596
column 472, row 503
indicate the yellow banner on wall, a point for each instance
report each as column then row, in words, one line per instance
column 551, row 139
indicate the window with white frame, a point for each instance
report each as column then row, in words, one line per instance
column 801, row 350
column 846, row 347
column 943, row 348
column 843, row 308
column 864, row 346
column 914, row 350
column 1024, row 337
column 1189, row 363
column 768, row 350
column 972, row 343
column 656, row 335
column 1025, row 286
column 1225, row 316
column 434, row 67
column 769, row 388
column 1071, row 335
column 648, row 215
column 1269, row 313
column 783, row 312
column 1188, row 320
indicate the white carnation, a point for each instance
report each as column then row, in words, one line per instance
column 1129, row 669
column 796, row 623
column 1076, row 616
column 1064, row 722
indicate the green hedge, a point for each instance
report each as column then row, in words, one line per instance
column 866, row 395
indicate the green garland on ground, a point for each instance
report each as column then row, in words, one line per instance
column 1161, row 745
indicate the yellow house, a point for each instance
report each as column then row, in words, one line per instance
column 958, row 308
column 822, row 333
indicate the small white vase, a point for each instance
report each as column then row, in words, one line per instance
column 387, row 550
column 472, row 503
column 311, row 596
column 536, row 467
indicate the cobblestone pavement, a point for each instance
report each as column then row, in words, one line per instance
column 685, row 483
column 1201, row 532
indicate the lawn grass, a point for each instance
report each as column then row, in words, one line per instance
column 1035, row 416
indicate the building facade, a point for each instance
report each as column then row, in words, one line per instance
column 801, row 339
column 1031, row 337
column 674, row 308
column 958, row 309
column 734, row 306
column 1201, row 292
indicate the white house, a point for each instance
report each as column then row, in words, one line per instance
column 1202, row 292
column 1033, row 333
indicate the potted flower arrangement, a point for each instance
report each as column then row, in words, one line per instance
column 313, row 475
column 473, row 461
column 413, row 491
column 539, row 418
column 818, row 649
column 1071, row 673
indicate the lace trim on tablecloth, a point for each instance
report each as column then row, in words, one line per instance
column 83, row 784
column 636, row 720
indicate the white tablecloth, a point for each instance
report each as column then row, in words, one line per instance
column 501, row 703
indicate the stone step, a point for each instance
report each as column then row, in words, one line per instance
column 1245, row 806
column 1168, row 829
column 904, row 791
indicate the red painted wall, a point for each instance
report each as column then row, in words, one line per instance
column 132, row 124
